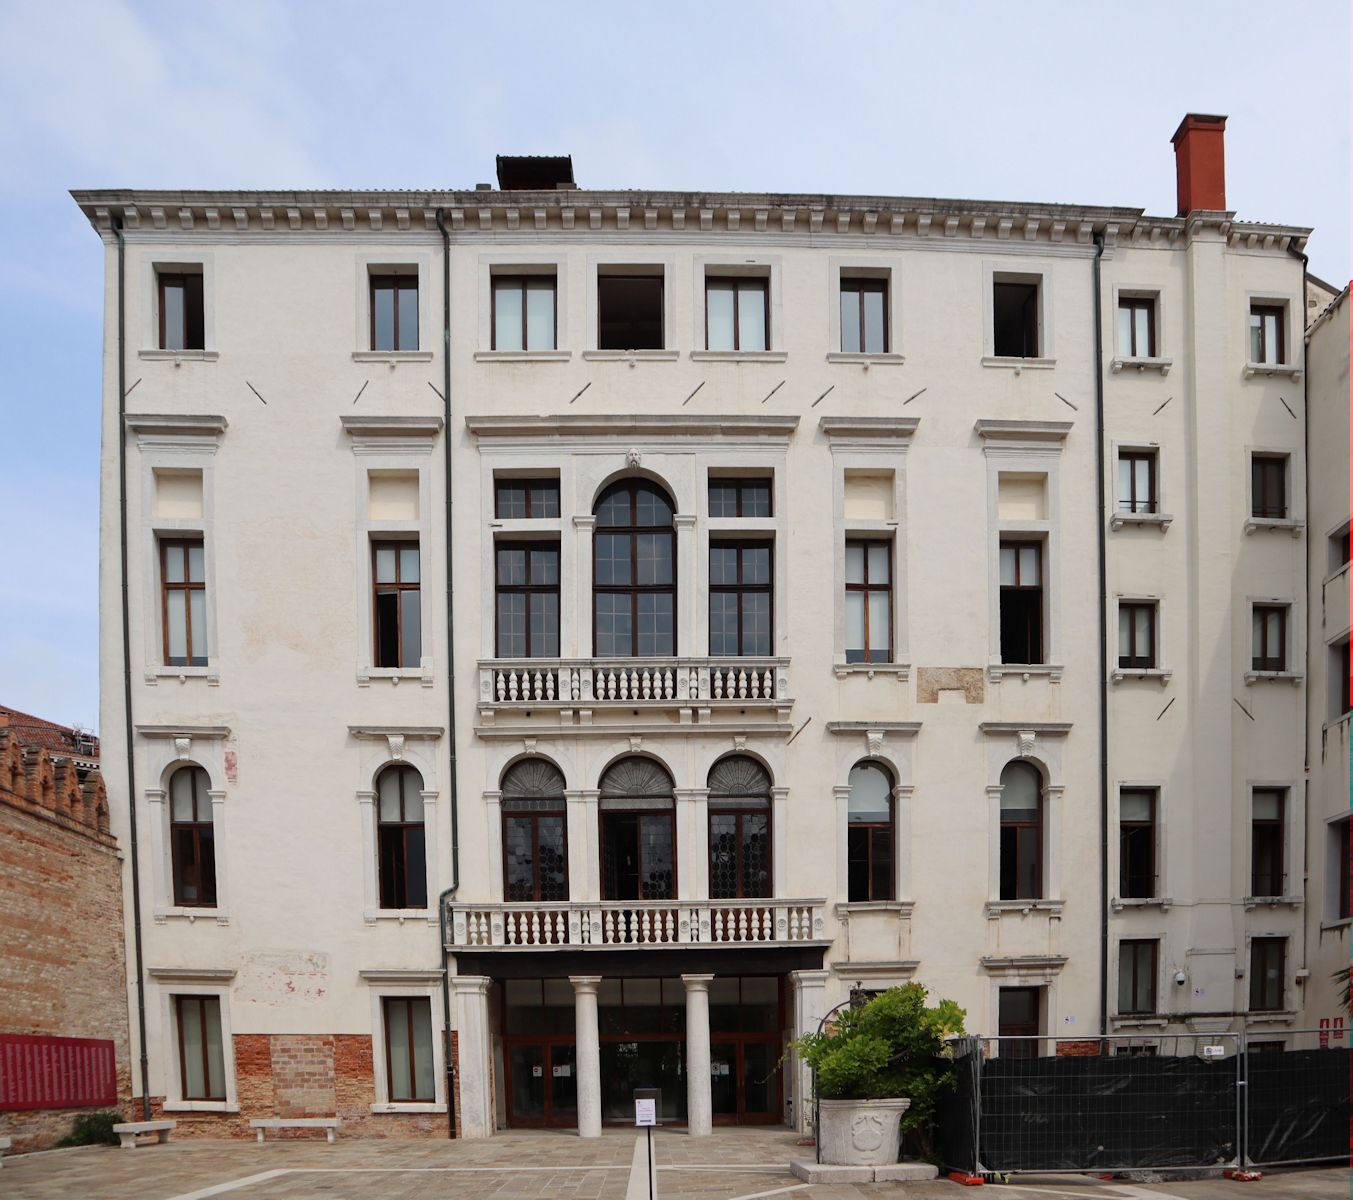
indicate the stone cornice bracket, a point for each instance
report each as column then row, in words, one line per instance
column 1044, row 434
column 395, row 741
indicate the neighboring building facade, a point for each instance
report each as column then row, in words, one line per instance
column 776, row 623
column 63, row 977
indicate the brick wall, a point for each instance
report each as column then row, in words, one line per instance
column 1087, row 1048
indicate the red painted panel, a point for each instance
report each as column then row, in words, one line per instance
column 56, row 1072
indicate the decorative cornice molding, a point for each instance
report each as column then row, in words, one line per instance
column 180, row 424
column 191, row 974
column 630, row 424
column 1005, row 728
column 869, row 427
column 387, row 976
column 394, row 426
column 901, row 728
column 377, row 733
column 207, row 732
column 1022, row 431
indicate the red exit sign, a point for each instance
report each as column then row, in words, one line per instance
column 56, row 1072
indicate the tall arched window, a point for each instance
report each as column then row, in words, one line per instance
column 634, row 572
column 869, row 833
column 1021, row 832
column 739, row 829
column 400, row 846
column 535, row 833
column 192, row 838
column 638, row 832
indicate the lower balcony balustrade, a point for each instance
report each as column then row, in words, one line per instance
column 616, row 923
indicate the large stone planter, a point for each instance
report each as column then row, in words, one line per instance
column 860, row 1133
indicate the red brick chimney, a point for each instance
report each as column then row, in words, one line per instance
column 1200, row 163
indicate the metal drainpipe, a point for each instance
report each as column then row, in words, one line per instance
column 1101, row 540
column 450, row 676
column 127, row 658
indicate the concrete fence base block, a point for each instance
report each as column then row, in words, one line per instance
column 814, row 1172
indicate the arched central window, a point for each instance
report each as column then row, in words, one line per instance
column 869, row 833
column 1021, row 832
column 638, row 832
column 739, row 829
column 535, row 833
column 401, row 852
column 192, row 838
column 634, row 572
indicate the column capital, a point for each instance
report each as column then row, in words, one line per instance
column 696, row 983
column 470, row 985
column 810, row 978
column 586, row 984
column 584, row 522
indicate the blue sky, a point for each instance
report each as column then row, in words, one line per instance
column 1072, row 101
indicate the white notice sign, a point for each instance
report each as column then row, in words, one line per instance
column 645, row 1112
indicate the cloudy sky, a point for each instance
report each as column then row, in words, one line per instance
column 1072, row 101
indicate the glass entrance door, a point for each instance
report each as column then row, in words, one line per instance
column 542, row 1084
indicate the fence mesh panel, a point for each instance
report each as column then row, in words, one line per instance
column 1297, row 1099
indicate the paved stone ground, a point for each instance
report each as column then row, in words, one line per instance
column 743, row 1164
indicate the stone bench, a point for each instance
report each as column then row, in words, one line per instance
column 128, row 1130
column 328, row 1124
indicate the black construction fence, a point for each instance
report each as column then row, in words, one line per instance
column 1120, row 1103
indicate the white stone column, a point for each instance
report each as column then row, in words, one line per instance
column 810, row 1006
column 587, row 1054
column 162, row 867
column 470, row 1010
column 842, row 794
column 699, row 1099
column 430, row 845
column 371, row 901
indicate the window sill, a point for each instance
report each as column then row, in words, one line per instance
column 848, row 908
column 523, row 356
column 1341, row 924
column 1272, row 902
column 408, row 1108
column 1121, row 674
column 373, row 916
column 1272, row 370
column 1162, row 365
column 1292, row 677
column 996, row 908
column 396, row 675
column 192, row 915
column 178, row 356
column 1026, row 671
column 1275, row 524
column 631, row 356
column 1284, row 1016
column 216, row 1106
column 866, row 360
column 1120, row 519
column 1335, row 722
column 1121, row 902
column 393, row 357
column 902, row 671
column 1139, row 1021
column 210, row 673
column 1018, row 364
column 739, row 356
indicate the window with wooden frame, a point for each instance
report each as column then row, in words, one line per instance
column 1267, row 820
column 192, row 838
column 183, row 601
column 731, row 497
column 524, row 312
column 394, row 312
column 1137, row 326
column 864, row 315
column 535, row 833
column 201, row 1053
column 870, row 834
column 1021, row 582
column 869, row 601
column 1268, row 630
column 1268, row 486
column 634, row 572
column 1339, row 550
column 1137, row 634
column 1021, row 851
column 1266, row 334
column 1015, row 319
column 1138, row 961
column 741, row 609
column 1019, row 1021
column 526, row 499
column 398, row 604
column 1343, row 874
column 1137, row 481
column 1268, row 969
column 1137, row 843
column 737, row 313
column 408, row 1049
column 739, row 829
column 637, row 812
column 527, row 599
column 630, row 312
column 182, row 320
column 401, row 845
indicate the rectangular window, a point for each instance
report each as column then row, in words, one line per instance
column 183, row 601
column 201, row 1056
column 1137, row 327
column 740, row 606
column 1268, row 624
column 1137, row 481
column 1137, row 976
column 739, row 497
column 181, row 311
column 1019, row 1016
column 1268, row 968
column 1266, row 841
column 527, row 599
column 629, row 312
column 1266, row 334
column 1342, row 668
column 1137, row 843
column 1015, row 319
column 526, row 499
column 737, row 314
column 394, row 312
column 408, row 1049
column 1343, row 849
column 398, row 604
column 864, row 316
column 1137, row 635
column 524, row 312
column 1268, row 486
column 869, row 601
column 1021, row 602
column 1339, row 550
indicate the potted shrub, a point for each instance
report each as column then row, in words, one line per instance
column 878, row 1072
